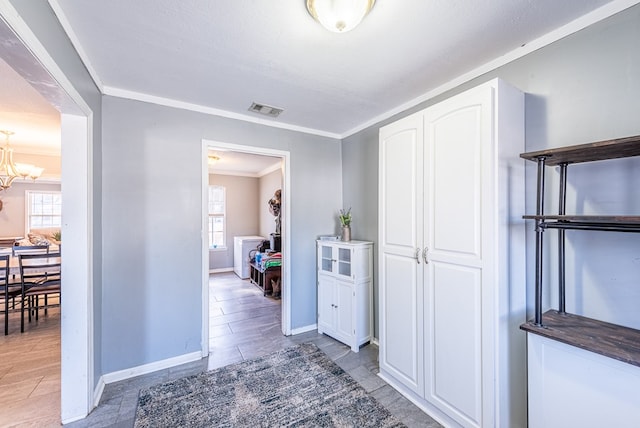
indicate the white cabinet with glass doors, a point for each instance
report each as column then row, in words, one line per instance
column 345, row 276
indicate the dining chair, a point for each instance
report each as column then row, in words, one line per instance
column 9, row 290
column 29, row 249
column 40, row 276
column 16, row 250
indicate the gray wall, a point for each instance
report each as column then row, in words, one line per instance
column 152, row 208
column 13, row 214
column 268, row 184
column 46, row 27
column 242, row 214
column 581, row 89
column 147, row 250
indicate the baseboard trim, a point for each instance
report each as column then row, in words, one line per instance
column 375, row 341
column 221, row 270
column 433, row 412
column 74, row 419
column 304, row 329
column 151, row 367
column 97, row 393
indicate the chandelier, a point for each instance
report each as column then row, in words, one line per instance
column 9, row 170
column 339, row 16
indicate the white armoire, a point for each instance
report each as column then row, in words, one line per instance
column 452, row 258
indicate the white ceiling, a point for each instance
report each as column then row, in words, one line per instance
column 34, row 121
column 245, row 164
column 219, row 56
column 222, row 55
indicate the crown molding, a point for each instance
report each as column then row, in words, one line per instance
column 75, row 41
column 170, row 102
column 35, row 150
column 268, row 170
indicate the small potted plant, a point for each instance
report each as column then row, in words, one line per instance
column 345, row 221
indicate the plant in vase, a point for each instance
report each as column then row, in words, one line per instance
column 345, row 221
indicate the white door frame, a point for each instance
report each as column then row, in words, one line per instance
column 286, row 222
column 77, row 356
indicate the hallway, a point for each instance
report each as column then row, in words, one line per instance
column 245, row 324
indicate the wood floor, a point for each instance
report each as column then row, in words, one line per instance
column 244, row 324
column 30, row 372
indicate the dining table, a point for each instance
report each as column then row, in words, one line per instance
column 14, row 265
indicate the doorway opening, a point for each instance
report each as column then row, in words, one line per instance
column 221, row 149
column 23, row 52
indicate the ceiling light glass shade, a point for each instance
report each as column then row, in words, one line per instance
column 24, row 169
column 9, row 170
column 212, row 159
column 35, row 172
column 339, row 16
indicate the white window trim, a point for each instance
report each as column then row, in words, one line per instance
column 222, row 247
column 27, row 209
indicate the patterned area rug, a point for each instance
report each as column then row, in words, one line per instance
column 295, row 387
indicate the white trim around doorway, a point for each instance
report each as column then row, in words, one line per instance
column 77, row 341
column 286, row 222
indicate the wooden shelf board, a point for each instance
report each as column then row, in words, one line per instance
column 611, row 340
column 624, row 219
column 601, row 150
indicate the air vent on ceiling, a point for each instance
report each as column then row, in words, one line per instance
column 265, row 109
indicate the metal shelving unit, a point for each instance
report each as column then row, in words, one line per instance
column 576, row 330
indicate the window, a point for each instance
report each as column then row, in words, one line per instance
column 44, row 209
column 217, row 202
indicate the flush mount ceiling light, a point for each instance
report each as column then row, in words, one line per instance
column 339, row 16
column 9, row 170
column 212, row 159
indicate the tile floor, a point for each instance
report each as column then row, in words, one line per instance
column 244, row 324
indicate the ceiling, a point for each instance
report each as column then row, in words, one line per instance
column 34, row 121
column 219, row 56
column 244, row 164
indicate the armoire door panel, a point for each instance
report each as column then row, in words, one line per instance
column 402, row 294
column 454, row 179
column 455, row 339
column 400, row 182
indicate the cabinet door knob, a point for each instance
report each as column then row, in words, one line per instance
column 418, row 255
column 424, row 255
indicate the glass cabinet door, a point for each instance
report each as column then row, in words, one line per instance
column 326, row 255
column 344, row 261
